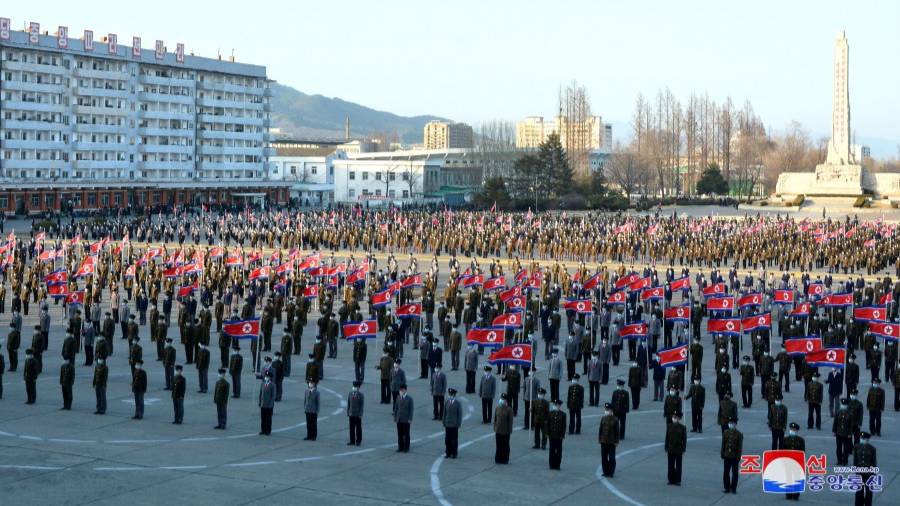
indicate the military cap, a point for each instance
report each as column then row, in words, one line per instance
column 864, row 435
column 221, row 371
column 794, row 426
column 451, row 391
column 357, row 384
column 620, row 382
column 607, row 406
column 179, row 368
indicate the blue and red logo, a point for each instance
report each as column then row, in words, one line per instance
column 784, row 472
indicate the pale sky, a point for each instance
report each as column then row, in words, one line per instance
column 478, row 60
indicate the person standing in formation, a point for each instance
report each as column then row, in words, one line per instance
column 452, row 421
column 355, row 407
column 220, row 398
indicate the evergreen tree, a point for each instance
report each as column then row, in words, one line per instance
column 493, row 191
column 554, row 165
column 711, row 182
column 529, row 180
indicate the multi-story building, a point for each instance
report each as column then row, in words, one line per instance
column 310, row 170
column 96, row 124
column 534, row 130
column 446, row 135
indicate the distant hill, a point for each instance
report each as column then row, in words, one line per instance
column 302, row 115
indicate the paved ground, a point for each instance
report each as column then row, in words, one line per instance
column 51, row 457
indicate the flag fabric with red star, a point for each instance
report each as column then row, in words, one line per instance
column 515, row 354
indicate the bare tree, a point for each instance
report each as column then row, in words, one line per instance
column 627, row 170
column 411, row 178
column 789, row 153
column 495, row 149
column 575, row 125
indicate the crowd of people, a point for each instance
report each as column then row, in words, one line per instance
column 237, row 281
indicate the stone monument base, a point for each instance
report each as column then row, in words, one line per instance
column 828, row 180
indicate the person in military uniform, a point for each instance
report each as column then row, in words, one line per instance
column 179, row 388
column 66, row 380
column 731, row 451
column 575, row 403
column 609, row 437
column 620, row 406
column 556, row 432
column 266, row 405
column 513, row 379
column 471, row 365
column 842, row 428
column 220, row 398
column 675, row 446
column 635, row 381
column 875, row 405
column 13, row 341
column 748, row 374
column 385, row 364
column 360, row 350
column 438, row 390
column 503, row 427
column 202, row 363
column 865, row 456
column 310, row 408
column 777, row 422
column 169, row 357
column 793, row 441
column 139, row 388
column 452, row 421
column 723, row 382
column 235, row 367
column 896, row 382
column 727, row 411
column 487, row 388
column 855, row 407
column 697, row 396
column 671, row 404
column 540, row 411
column 30, row 375
column 101, row 373
column 403, row 416
column 851, row 372
column 815, row 392
column 530, row 388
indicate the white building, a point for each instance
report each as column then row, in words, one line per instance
column 405, row 176
column 532, row 131
column 311, row 172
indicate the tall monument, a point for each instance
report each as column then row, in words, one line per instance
column 840, row 175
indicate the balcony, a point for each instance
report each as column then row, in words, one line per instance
column 166, row 132
column 188, row 116
column 33, row 144
column 230, row 150
column 147, row 96
column 32, row 86
column 230, row 104
column 100, row 92
column 34, row 67
column 221, row 134
column 230, row 88
column 32, row 106
column 101, row 74
column 166, row 148
column 267, row 92
column 99, row 129
column 33, row 164
column 230, row 120
column 218, row 166
column 99, row 146
column 100, row 111
column 100, row 164
column 166, row 165
column 10, row 124
column 166, row 81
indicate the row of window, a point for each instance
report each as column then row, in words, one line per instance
column 365, row 192
column 391, row 176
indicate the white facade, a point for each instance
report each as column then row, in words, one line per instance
column 312, row 177
column 532, row 131
column 78, row 110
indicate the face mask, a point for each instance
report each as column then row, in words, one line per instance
column 221, row 376
column 267, row 379
column 723, row 371
column 792, row 432
column 502, row 402
column 311, row 386
column 853, row 397
column 540, row 396
column 177, row 373
column 778, row 403
column 607, row 412
column 671, row 392
column 731, row 425
column 634, row 364
column 101, row 362
column 396, row 366
column 355, row 389
column 621, row 387
column 864, row 441
column 553, row 407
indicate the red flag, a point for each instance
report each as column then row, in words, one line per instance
column 188, row 290
column 678, row 313
column 827, row 357
column 870, row 314
column 413, row 310
column 472, row 281
column 87, row 267
column 508, row 320
column 512, row 292
column 492, row 284
column 757, row 322
column 263, row 272
column 720, row 304
column 242, row 329
column 680, row 284
column 382, row 298
column 890, row 331
column 639, row 284
column 579, row 306
column 626, row 280
column 515, row 303
column 714, row 290
column 673, row 357
column 616, row 298
column 311, row 291
column 485, row 337
column 887, row 298
column 357, row 276
column 801, row 310
column 723, row 326
column 802, row 345
column 366, row 329
column 784, row 296
column 749, row 300
column 234, row 260
column 412, row 281
column 593, row 282
column 76, row 297
column 655, row 293
column 638, row 330
column 57, row 276
column 838, row 299
column 515, row 354
column 60, row 290
column 815, row 290
column 216, row 252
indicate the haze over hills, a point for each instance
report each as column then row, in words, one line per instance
column 315, row 116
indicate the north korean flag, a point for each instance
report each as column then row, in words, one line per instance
column 626, row 281
column 497, row 283
column 315, row 272
column 886, row 298
column 516, row 354
column 130, row 271
column 473, row 281
column 838, row 300
column 800, row 346
column 534, row 282
column 634, row 331
column 360, row 330
column 413, row 281
column 678, row 314
column 801, row 311
column 655, row 293
column 827, row 357
column 56, row 277
column 721, row 304
column 870, row 314
column 39, row 237
column 515, row 291
column 234, row 261
column 357, row 276
column 87, row 267
column 254, row 256
column 382, row 298
column 757, row 322
column 750, row 300
column 680, row 284
column 191, row 269
column 784, row 297
column 592, row 282
column 616, row 298
column 716, row 290
column 47, row 256
column 172, row 272
column 815, row 290
column 413, row 310
column 311, row 291
column 730, row 326
column 96, row 248
column 188, row 290
column 216, row 252
column 76, row 298
column 673, row 357
column 491, row 336
column 393, row 287
column 521, row 276
column 242, row 329
column 640, row 284
column 285, row 268
column 583, row 306
column 59, row 290
column 263, row 272
column 154, row 252
column 515, row 304
column 508, row 320
column 889, row 331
